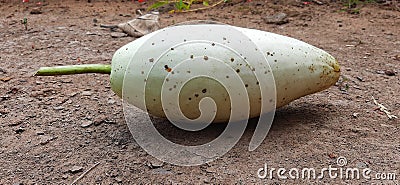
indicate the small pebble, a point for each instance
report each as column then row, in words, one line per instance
column 210, row 170
column 58, row 108
column 72, row 94
column 390, row 72
column 361, row 165
column 155, row 164
column 39, row 82
column 111, row 101
column 86, row 93
column 45, row 139
column 86, row 124
column 397, row 57
column 36, row 11
column 76, row 169
column 332, row 156
column 2, row 71
column 90, row 33
column 161, row 171
column 118, row 35
column 118, row 179
column 15, row 122
column 278, row 19
column 318, row 2
column 19, row 130
column 388, row 126
column 100, row 119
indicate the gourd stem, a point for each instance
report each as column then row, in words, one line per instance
column 74, row 69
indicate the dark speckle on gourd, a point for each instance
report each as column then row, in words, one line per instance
column 168, row 69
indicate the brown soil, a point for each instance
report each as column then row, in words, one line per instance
column 42, row 140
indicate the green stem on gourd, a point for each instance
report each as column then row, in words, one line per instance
column 74, row 69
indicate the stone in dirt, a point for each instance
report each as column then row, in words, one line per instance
column 318, row 2
column 278, row 19
column 397, row 57
column 14, row 122
column 210, row 170
column 36, row 11
column 390, row 72
column 100, row 119
column 86, row 93
column 76, row 169
column 118, row 34
column 19, row 130
column 118, row 179
column 161, row 171
column 86, row 124
column 155, row 164
column 45, row 139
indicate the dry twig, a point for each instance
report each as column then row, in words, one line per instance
column 84, row 173
column 384, row 109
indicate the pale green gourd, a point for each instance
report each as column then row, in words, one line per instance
column 298, row 68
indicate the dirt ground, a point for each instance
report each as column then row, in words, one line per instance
column 53, row 129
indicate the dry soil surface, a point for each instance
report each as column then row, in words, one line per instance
column 53, row 129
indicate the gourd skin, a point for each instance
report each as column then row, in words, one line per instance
column 298, row 68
